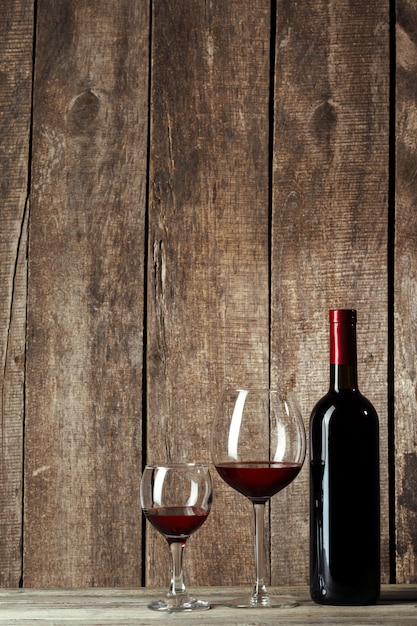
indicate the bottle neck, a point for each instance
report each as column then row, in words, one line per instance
column 343, row 377
column 343, row 356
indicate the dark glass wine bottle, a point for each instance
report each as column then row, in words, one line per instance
column 344, row 480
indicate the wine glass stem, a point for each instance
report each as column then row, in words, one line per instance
column 177, row 582
column 259, row 589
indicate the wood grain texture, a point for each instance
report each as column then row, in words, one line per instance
column 208, row 300
column 329, row 223
column 249, row 240
column 128, row 607
column 16, row 36
column 85, row 319
column 405, row 300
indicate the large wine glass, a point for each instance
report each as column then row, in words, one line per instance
column 176, row 499
column 258, row 447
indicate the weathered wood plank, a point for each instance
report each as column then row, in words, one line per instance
column 122, row 607
column 329, row 224
column 85, row 317
column 208, row 301
column 208, row 261
column 16, row 37
column 405, row 292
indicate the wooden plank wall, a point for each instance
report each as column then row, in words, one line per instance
column 404, row 291
column 187, row 187
column 330, row 212
column 16, row 34
column 85, row 295
column 208, row 315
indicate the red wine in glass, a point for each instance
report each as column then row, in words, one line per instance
column 176, row 499
column 258, row 480
column 258, row 447
column 176, row 523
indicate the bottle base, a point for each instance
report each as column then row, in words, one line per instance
column 351, row 599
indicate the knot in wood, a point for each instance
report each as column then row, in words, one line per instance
column 83, row 113
column 324, row 122
column 293, row 201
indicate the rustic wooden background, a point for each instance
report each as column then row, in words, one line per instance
column 186, row 188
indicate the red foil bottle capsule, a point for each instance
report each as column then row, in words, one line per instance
column 342, row 336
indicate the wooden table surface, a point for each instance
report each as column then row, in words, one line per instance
column 123, row 607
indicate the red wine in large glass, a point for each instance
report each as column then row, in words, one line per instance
column 258, row 448
column 176, row 522
column 344, row 481
column 258, row 480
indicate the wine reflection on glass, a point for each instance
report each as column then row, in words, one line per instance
column 258, row 447
column 176, row 499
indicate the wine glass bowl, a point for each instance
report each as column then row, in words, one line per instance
column 176, row 499
column 258, row 447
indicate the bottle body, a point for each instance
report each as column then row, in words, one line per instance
column 344, row 491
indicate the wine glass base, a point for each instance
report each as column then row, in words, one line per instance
column 262, row 602
column 176, row 604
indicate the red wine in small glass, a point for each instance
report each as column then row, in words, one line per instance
column 258, row 447
column 176, row 499
column 176, row 523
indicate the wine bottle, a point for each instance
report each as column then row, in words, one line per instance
column 344, row 480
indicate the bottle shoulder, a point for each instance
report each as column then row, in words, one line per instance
column 344, row 426
column 343, row 402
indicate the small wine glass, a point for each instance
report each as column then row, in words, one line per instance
column 258, row 447
column 176, row 499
